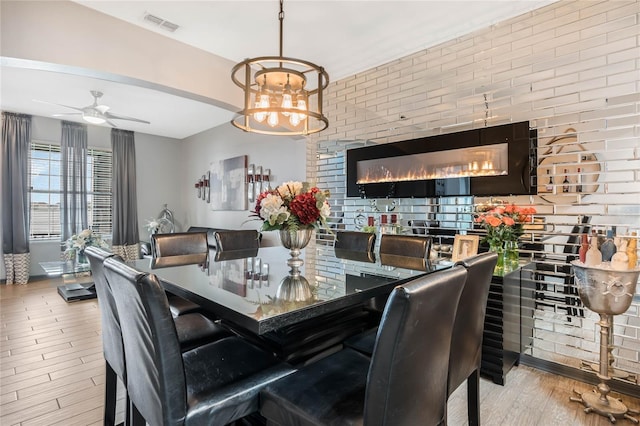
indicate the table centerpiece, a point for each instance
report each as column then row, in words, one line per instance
column 76, row 244
column 294, row 209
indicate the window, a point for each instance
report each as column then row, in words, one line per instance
column 45, row 180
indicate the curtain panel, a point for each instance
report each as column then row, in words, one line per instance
column 16, row 138
column 126, row 240
column 73, row 209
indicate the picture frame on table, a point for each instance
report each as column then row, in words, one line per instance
column 464, row 246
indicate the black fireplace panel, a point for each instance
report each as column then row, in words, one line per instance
column 521, row 159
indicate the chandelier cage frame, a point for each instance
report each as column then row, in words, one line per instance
column 266, row 79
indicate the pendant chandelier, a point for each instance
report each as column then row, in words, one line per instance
column 282, row 96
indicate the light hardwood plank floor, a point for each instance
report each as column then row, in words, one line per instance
column 52, row 371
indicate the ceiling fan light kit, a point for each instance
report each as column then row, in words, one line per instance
column 282, row 96
column 95, row 113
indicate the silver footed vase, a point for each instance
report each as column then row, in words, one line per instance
column 295, row 241
column 294, row 287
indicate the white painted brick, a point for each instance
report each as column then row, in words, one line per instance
column 618, row 90
column 609, row 48
column 609, row 69
column 624, row 55
column 623, row 9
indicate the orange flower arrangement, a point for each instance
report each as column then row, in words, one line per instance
column 504, row 223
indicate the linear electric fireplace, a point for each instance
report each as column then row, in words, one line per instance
column 498, row 160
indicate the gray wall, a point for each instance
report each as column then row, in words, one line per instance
column 284, row 156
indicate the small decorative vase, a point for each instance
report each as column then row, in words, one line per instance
column 81, row 258
column 511, row 256
column 295, row 241
column 498, row 248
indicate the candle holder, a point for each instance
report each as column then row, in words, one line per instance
column 607, row 292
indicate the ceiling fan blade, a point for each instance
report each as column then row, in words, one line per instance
column 124, row 117
column 62, row 105
column 102, row 108
column 62, row 114
column 112, row 124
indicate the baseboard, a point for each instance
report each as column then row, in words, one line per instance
column 620, row 386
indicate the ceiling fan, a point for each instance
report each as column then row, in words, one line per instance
column 96, row 114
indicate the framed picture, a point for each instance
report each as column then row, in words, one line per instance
column 464, row 246
column 228, row 184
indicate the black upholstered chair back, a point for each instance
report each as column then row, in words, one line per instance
column 179, row 243
column 405, row 245
column 111, row 333
column 418, row 227
column 243, row 239
column 155, row 371
column 408, row 371
column 466, row 341
column 355, row 241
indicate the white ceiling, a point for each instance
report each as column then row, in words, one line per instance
column 345, row 37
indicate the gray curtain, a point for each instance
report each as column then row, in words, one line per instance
column 16, row 138
column 73, row 208
column 126, row 241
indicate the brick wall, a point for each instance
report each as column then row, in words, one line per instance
column 572, row 69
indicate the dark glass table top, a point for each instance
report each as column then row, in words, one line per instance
column 247, row 289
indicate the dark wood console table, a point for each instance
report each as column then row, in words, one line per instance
column 502, row 342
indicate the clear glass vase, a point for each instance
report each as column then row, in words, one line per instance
column 499, row 250
column 511, row 256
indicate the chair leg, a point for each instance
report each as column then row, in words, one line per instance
column 135, row 418
column 473, row 398
column 110, row 395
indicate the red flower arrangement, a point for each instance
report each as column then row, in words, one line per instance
column 293, row 206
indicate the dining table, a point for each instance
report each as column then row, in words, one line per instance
column 258, row 291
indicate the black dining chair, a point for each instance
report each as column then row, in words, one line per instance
column 466, row 340
column 355, row 241
column 181, row 244
column 405, row 245
column 418, row 227
column 403, row 383
column 213, row 384
column 111, row 333
column 242, row 239
column 192, row 329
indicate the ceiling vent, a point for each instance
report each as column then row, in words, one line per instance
column 162, row 23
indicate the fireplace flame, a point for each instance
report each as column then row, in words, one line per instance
column 489, row 160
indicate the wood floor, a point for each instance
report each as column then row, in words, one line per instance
column 52, row 371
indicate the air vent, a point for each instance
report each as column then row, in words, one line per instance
column 162, row 23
